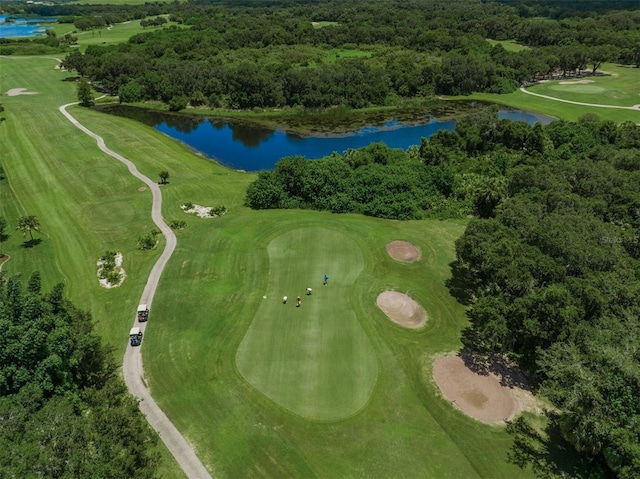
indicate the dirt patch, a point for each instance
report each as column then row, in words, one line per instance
column 401, row 309
column 491, row 394
column 403, row 251
column 20, row 91
column 142, row 188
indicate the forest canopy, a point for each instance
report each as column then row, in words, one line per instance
column 356, row 54
column 64, row 411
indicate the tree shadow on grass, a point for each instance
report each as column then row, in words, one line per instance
column 548, row 454
column 485, row 362
column 460, row 285
column 31, row 243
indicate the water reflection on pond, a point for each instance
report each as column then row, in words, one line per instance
column 251, row 147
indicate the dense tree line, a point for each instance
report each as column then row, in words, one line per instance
column 555, row 281
column 231, row 56
column 453, row 174
column 64, row 411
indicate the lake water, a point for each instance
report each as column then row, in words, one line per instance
column 254, row 148
column 23, row 27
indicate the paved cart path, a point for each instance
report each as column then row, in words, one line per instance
column 596, row 105
column 132, row 363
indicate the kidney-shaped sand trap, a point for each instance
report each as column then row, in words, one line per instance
column 479, row 396
column 401, row 309
column 20, row 91
column 403, row 251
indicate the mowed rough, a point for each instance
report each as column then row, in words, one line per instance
column 315, row 360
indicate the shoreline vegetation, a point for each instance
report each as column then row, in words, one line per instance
column 330, row 122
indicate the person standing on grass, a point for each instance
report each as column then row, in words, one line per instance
column 326, row 279
column 298, row 302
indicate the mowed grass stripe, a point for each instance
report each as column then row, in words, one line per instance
column 315, row 360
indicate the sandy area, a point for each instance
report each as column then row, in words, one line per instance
column 20, row 91
column 489, row 394
column 576, row 82
column 401, row 309
column 103, row 282
column 403, row 251
column 199, row 210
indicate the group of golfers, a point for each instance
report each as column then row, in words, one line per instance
column 285, row 299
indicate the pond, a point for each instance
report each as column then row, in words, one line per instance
column 249, row 147
column 20, row 27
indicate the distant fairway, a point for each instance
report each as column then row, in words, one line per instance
column 315, row 360
column 621, row 88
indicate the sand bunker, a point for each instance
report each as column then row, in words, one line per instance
column 20, row 91
column 403, row 251
column 478, row 392
column 401, row 309
column 576, row 82
column 201, row 211
column 105, row 283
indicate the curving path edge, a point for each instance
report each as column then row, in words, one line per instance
column 595, row 105
column 132, row 362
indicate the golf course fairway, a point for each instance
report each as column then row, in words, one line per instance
column 213, row 342
column 315, row 359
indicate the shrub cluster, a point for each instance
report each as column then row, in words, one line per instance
column 107, row 269
column 148, row 241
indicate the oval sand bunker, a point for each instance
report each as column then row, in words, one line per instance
column 403, row 251
column 401, row 309
column 479, row 396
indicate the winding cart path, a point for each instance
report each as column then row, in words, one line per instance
column 132, row 363
column 595, row 105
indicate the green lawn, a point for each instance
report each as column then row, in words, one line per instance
column 324, row 24
column 209, row 321
column 509, row 45
column 621, row 88
column 117, row 33
column 314, row 360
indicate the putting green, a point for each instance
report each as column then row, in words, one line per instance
column 315, row 360
column 577, row 88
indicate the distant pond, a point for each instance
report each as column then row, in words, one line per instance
column 248, row 147
column 19, row 27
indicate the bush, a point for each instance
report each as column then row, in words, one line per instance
column 148, row 241
column 178, row 224
column 218, row 210
column 107, row 270
column 178, row 103
column 188, row 205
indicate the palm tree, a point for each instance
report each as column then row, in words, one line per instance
column 28, row 224
column 489, row 193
